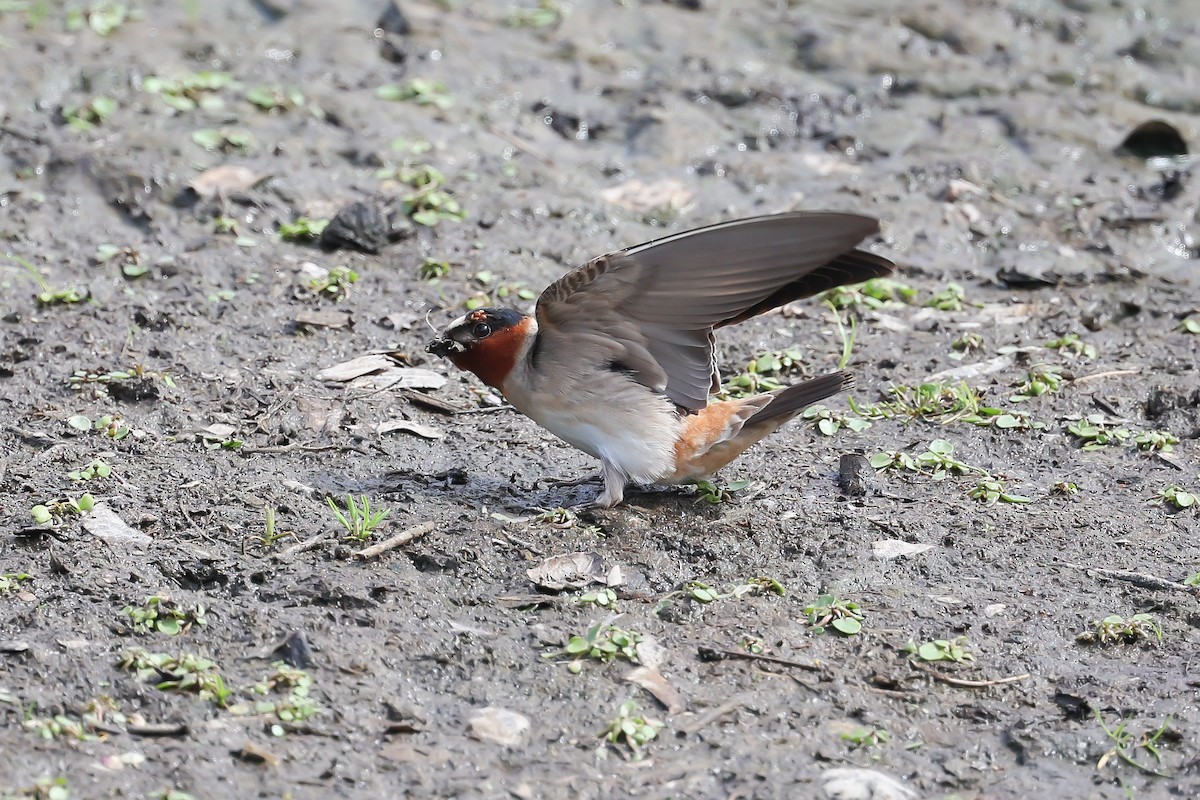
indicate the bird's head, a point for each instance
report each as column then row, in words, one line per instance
column 486, row 341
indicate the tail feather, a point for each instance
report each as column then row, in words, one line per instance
column 793, row 399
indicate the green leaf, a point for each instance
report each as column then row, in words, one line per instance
column 847, row 625
column 881, row 460
column 169, row 626
column 929, row 651
column 827, row 426
column 80, row 423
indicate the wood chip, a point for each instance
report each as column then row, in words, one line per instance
column 324, row 318
column 408, row 426
column 659, row 687
column 224, row 180
column 399, row 540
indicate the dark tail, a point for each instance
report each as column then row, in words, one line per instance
column 796, row 398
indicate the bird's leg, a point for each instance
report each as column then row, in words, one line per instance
column 614, row 487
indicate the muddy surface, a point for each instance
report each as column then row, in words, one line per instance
column 982, row 138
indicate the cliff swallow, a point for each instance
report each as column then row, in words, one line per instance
column 617, row 358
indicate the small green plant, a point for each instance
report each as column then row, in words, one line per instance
column 1193, row 579
column 421, row 91
column 1071, row 344
column 991, row 490
column 1064, row 488
column 10, row 582
column 97, row 468
column 866, row 737
column 752, row 644
column 194, row 90
column 504, row 292
column 1115, row 629
column 1125, row 744
column 103, row 18
column 946, row 402
column 965, row 345
column 302, row 230
column 127, row 258
column 160, row 614
column 86, row 116
column 358, row 519
column 44, row 789
column 1190, row 325
column 60, row 726
column 546, row 14
column 830, row 422
column 703, row 593
column 873, row 294
column 223, row 140
column 296, row 706
column 275, row 98
column 1003, row 420
column 183, row 673
column 1156, row 441
column 334, row 284
column 631, row 729
column 951, row 298
column 1040, row 380
column 80, row 378
column 109, row 425
column 957, row 650
column 937, row 462
column 214, row 440
column 1097, row 433
column 428, row 203
column 49, row 512
column 271, row 535
column 603, row 642
column 604, row 598
column 760, row 372
column 711, row 492
column 45, row 295
column 829, row 611
column 431, row 269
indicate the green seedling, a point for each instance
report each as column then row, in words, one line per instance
column 1115, row 629
column 957, row 650
column 334, row 284
column 45, row 295
column 275, row 98
column 86, row 116
column 44, row 789
column 711, row 492
column 1071, row 344
column 97, row 468
column 703, row 593
column 754, row 380
column 108, row 425
column 965, row 345
column 302, row 230
column 296, row 706
column 631, row 729
column 160, row 614
column 603, row 642
column 548, row 13
column 431, row 269
column 358, row 519
column 928, row 401
column 61, row 726
column 1193, row 579
column 1125, row 745
column 952, row 298
column 271, row 532
column 604, row 598
column 1190, row 325
column 866, row 737
column 102, row 18
column 421, row 91
column 127, row 258
column 428, row 203
column 1004, row 420
column 183, row 673
column 81, row 378
column 10, row 582
column 219, row 441
column 223, row 140
column 873, row 294
column 846, row 336
column 752, row 644
column 49, row 512
column 991, row 490
column 830, row 422
column 1040, row 380
column 224, row 225
column 829, row 611
column 938, row 461
column 1064, row 488
column 1156, row 441
column 195, row 90
column 1097, row 433
column 502, row 291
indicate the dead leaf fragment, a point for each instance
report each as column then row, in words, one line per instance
column 102, row 523
column 853, row 783
column 648, row 198
column 323, row 318
column 408, row 426
column 653, row 682
column 569, row 571
column 224, row 180
column 383, row 372
column 251, row 752
column 499, row 725
column 888, row 549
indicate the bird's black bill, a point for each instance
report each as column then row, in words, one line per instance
column 444, row 347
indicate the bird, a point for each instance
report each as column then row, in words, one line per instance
column 617, row 358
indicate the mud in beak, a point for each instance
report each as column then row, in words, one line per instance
column 441, row 346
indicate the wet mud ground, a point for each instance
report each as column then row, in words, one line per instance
column 981, row 135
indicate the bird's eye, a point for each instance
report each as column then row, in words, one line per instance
column 482, row 330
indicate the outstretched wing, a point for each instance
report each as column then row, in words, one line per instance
column 650, row 310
